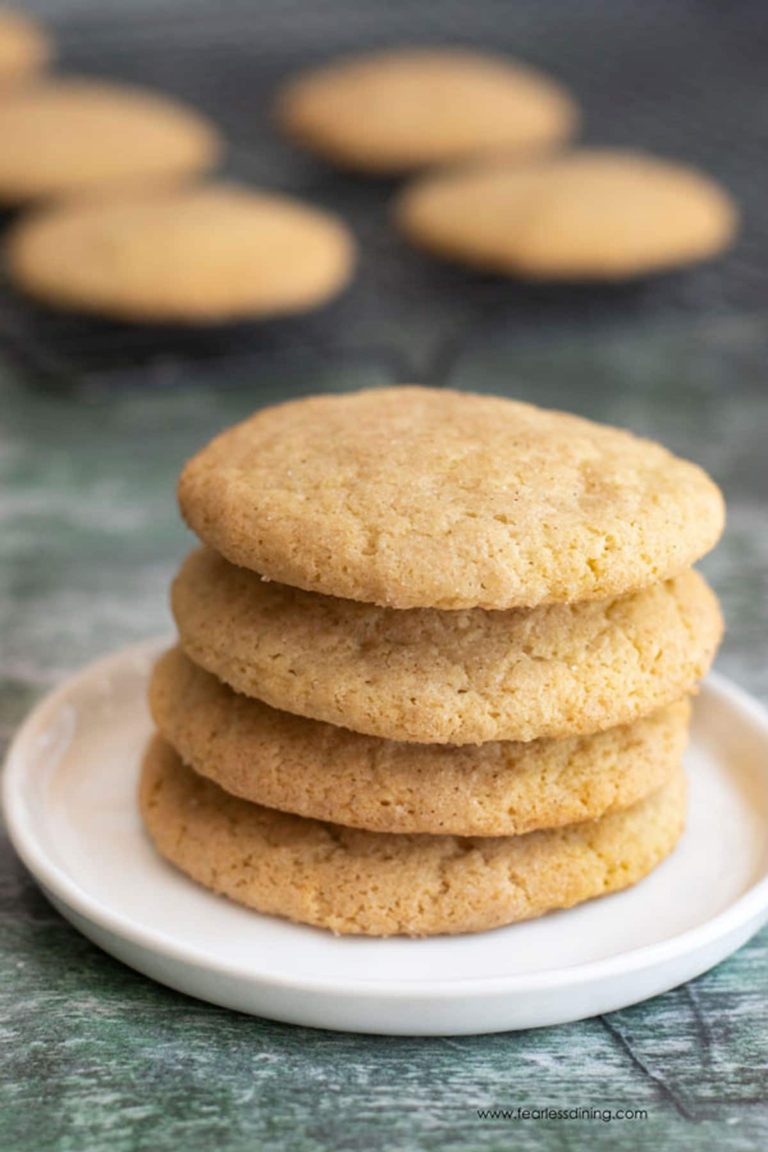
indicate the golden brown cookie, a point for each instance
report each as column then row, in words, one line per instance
column 25, row 48
column 583, row 216
column 208, row 254
column 447, row 677
column 66, row 137
column 388, row 112
column 428, row 498
column 375, row 884
column 321, row 771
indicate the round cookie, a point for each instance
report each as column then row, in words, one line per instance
column 590, row 215
column 205, row 255
column 66, row 137
column 427, row 498
column 392, row 111
column 328, row 773
column 24, row 47
column 447, row 677
column 374, row 884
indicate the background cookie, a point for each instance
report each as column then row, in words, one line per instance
column 328, row 773
column 202, row 254
column 391, row 111
column 447, row 677
column 71, row 136
column 418, row 497
column 586, row 215
column 24, row 46
column 373, row 884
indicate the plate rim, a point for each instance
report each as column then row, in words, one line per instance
column 54, row 879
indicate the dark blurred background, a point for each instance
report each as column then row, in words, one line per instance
column 684, row 79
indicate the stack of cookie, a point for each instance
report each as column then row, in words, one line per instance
column 434, row 665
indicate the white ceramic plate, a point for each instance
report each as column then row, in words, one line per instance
column 69, row 797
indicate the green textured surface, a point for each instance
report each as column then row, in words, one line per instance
column 98, row 1058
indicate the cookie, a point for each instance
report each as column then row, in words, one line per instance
column 591, row 215
column 65, row 137
column 375, row 884
column 447, row 677
column 429, row 498
column 206, row 254
column 392, row 111
column 321, row 771
column 24, row 47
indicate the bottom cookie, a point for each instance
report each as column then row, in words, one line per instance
column 381, row 884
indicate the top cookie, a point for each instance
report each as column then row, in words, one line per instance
column 415, row 497
column 75, row 136
column 24, row 46
column 392, row 111
column 586, row 215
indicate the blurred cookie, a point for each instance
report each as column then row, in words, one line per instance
column 325, row 772
column 64, row 137
column 25, row 48
column 588, row 215
column 204, row 254
column 375, row 884
column 460, row 677
column 392, row 111
column 419, row 497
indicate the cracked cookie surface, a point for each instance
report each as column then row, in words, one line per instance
column 415, row 497
column 328, row 773
column 462, row 677
column 374, row 884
